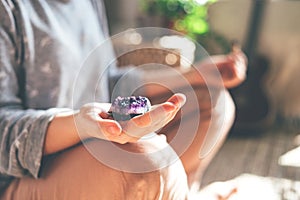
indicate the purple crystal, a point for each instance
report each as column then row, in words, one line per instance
column 126, row 107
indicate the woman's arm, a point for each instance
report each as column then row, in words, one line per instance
column 61, row 133
column 219, row 71
column 68, row 129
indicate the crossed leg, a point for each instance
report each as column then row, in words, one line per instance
column 216, row 119
column 77, row 174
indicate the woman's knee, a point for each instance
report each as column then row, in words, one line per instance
column 101, row 179
column 152, row 174
column 161, row 160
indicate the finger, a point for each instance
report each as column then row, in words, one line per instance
column 159, row 112
column 177, row 99
column 105, row 115
column 158, row 118
column 240, row 63
column 238, row 66
column 143, row 120
column 240, row 56
column 110, row 127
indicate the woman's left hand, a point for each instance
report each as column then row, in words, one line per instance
column 222, row 70
column 155, row 119
column 232, row 68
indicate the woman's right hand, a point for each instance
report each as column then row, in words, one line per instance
column 92, row 121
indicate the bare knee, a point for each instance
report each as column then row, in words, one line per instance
column 165, row 169
column 153, row 174
column 115, row 176
column 78, row 174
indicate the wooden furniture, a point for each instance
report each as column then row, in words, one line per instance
column 141, row 56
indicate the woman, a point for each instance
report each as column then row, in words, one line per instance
column 42, row 44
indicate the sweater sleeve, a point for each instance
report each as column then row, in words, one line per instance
column 22, row 140
column 22, row 131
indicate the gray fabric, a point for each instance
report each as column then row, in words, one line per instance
column 42, row 46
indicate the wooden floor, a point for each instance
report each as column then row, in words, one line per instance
column 256, row 155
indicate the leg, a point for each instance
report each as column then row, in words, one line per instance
column 76, row 174
column 212, row 129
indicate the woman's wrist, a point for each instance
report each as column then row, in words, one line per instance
column 61, row 133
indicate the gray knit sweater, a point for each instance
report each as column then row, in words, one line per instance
column 43, row 44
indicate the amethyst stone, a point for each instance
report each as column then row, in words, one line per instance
column 124, row 108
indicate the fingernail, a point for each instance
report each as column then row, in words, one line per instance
column 181, row 99
column 169, row 107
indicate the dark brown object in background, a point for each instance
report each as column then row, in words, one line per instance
column 254, row 112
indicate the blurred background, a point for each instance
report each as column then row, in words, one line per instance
column 275, row 36
column 268, row 103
